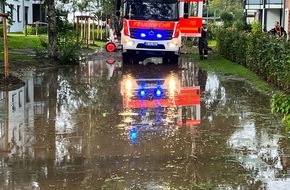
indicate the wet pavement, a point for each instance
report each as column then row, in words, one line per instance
column 79, row 128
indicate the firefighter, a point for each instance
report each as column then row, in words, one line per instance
column 202, row 41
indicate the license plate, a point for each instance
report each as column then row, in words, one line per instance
column 151, row 43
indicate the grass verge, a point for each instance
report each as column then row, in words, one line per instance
column 218, row 64
column 21, row 48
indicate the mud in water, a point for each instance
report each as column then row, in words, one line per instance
column 74, row 129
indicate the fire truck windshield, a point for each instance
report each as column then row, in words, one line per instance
column 152, row 10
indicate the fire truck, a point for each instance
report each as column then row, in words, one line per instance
column 162, row 102
column 155, row 27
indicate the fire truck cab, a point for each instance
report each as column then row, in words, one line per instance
column 155, row 27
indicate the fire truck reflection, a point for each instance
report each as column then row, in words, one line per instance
column 161, row 105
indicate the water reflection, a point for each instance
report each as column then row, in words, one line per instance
column 71, row 128
column 159, row 102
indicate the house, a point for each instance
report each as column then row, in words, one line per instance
column 266, row 12
column 23, row 13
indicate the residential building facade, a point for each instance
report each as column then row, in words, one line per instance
column 266, row 12
column 21, row 14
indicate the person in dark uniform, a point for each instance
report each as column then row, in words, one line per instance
column 202, row 41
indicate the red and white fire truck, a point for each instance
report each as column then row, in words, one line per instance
column 166, row 94
column 155, row 27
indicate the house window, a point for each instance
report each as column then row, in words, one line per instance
column 20, row 95
column 26, row 15
column 11, row 11
column 18, row 13
column 13, row 102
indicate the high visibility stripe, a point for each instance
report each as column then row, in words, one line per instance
column 152, row 24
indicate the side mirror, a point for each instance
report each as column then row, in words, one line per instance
column 185, row 10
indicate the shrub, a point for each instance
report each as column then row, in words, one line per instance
column 31, row 30
column 280, row 103
column 227, row 19
column 264, row 54
column 232, row 44
column 68, row 49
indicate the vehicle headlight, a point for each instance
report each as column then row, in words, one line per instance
column 128, row 84
column 173, row 43
column 172, row 85
column 128, row 41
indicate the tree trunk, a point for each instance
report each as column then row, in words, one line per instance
column 52, row 33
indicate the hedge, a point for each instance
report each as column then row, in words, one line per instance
column 264, row 54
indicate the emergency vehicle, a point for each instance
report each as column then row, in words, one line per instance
column 155, row 27
column 164, row 93
column 158, row 102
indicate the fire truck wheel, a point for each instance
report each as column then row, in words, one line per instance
column 110, row 47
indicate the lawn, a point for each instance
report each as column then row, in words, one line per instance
column 218, row 64
column 20, row 41
column 21, row 47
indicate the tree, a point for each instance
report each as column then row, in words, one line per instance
column 227, row 19
column 52, row 32
column 233, row 7
column 108, row 6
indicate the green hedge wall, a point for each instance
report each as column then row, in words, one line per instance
column 264, row 54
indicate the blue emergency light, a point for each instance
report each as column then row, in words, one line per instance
column 142, row 93
column 158, row 92
column 151, row 35
column 133, row 135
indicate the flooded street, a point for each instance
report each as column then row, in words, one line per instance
column 79, row 128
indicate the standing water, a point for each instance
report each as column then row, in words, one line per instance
column 72, row 128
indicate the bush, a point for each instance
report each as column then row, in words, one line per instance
column 280, row 103
column 264, row 54
column 68, row 49
column 227, row 19
column 31, row 30
column 212, row 30
column 232, row 44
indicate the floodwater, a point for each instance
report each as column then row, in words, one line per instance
column 72, row 128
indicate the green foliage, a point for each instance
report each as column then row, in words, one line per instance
column 31, row 30
column 256, row 28
column 41, row 53
column 241, row 25
column 264, row 54
column 62, row 24
column 232, row 44
column 280, row 103
column 1, row 30
column 68, row 49
column 212, row 30
column 228, row 19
